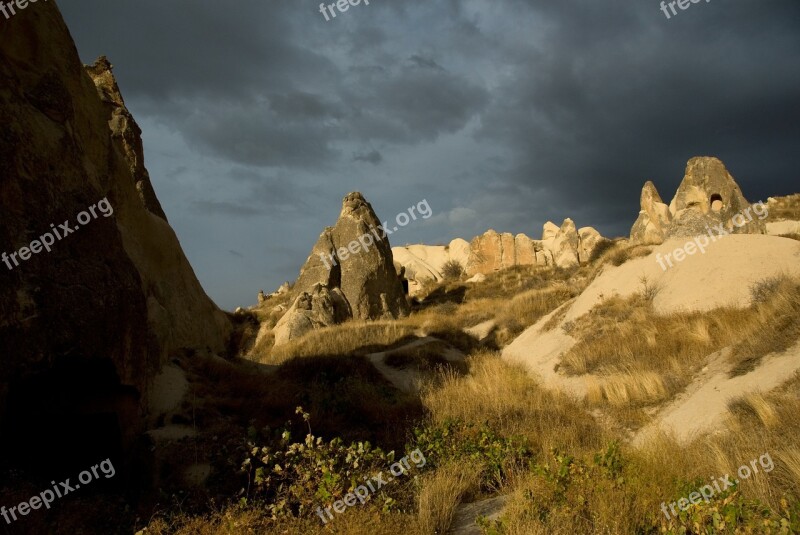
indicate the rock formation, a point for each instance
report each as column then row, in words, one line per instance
column 422, row 263
column 589, row 239
column 562, row 247
column 355, row 256
column 707, row 196
column 111, row 301
column 783, row 218
column 654, row 218
column 322, row 307
column 566, row 245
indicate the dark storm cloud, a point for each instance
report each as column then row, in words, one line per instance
column 503, row 113
column 374, row 157
column 620, row 95
column 227, row 209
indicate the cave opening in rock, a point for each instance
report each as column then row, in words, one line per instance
column 716, row 202
column 69, row 418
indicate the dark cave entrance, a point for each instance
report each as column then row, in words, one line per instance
column 716, row 202
column 69, row 418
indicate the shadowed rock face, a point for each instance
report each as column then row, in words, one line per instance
column 355, row 256
column 319, row 308
column 119, row 289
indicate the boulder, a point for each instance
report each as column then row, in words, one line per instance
column 322, row 307
column 654, row 217
column 355, row 256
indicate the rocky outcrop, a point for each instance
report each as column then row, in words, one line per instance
column 491, row 251
column 654, row 218
column 549, row 231
column 708, row 196
column 562, row 247
column 589, row 240
column 783, row 218
column 424, row 263
column 322, row 307
column 566, row 245
column 112, row 300
column 125, row 132
column 355, row 256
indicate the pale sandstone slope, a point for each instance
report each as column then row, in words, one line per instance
column 720, row 277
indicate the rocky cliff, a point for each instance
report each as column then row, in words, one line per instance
column 114, row 298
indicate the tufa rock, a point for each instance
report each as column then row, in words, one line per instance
column 707, row 196
column 565, row 245
column 491, row 252
column 654, row 218
column 355, row 256
column 422, row 263
column 549, row 230
column 125, row 132
column 104, row 309
column 589, row 240
column 322, row 307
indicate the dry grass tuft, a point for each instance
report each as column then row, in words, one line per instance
column 441, row 493
column 353, row 337
column 774, row 324
column 642, row 388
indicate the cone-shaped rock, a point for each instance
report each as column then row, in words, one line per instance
column 708, row 196
column 654, row 217
column 355, row 256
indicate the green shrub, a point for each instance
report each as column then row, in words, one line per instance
column 494, row 456
column 453, row 270
column 292, row 478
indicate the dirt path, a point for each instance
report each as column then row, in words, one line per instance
column 408, row 380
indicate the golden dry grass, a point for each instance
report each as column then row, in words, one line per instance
column 353, row 337
column 641, row 360
column 774, row 322
column 441, row 493
column 511, row 401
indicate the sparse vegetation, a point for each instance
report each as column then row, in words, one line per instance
column 453, row 270
column 488, row 428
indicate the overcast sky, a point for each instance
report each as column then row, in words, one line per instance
column 259, row 116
